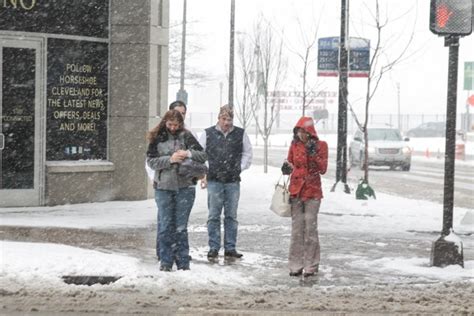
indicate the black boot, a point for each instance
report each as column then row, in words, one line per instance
column 232, row 254
column 212, row 254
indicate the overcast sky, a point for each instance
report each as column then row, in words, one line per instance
column 422, row 77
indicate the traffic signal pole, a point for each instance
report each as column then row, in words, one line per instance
column 450, row 147
column 451, row 19
column 445, row 251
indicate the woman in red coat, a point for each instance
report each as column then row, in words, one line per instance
column 307, row 160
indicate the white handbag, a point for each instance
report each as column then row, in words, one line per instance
column 281, row 199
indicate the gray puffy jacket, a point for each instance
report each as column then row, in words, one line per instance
column 159, row 154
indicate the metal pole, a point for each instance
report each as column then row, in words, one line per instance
column 183, row 47
column 182, row 95
column 341, row 164
column 231, row 54
column 449, row 155
column 447, row 252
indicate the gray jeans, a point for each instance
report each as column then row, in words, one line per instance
column 304, row 247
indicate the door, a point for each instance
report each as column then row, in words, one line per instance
column 21, row 150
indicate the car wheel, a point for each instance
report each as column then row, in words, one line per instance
column 406, row 167
column 393, row 167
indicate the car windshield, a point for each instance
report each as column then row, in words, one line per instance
column 384, row 134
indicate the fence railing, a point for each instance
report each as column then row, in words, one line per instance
column 201, row 120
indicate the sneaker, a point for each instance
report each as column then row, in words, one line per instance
column 296, row 274
column 232, row 254
column 212, row 254
column 165, row 268
column 308, row 274
column 184, row 268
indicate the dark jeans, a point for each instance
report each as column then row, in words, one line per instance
column 174, row 208
column 222, row 196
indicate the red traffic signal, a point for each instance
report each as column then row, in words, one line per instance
column 451, row 17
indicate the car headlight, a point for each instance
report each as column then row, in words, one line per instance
column 371, row 150
column 406, row 150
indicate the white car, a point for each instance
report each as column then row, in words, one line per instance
column 386, row 148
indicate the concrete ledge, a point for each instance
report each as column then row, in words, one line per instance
column 79, row 166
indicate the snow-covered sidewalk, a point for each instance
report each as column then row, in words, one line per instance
column 359, row 240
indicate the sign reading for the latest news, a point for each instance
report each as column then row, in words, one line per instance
column 328, row 57
column 77, row 100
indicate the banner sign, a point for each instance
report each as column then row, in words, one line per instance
column 328, row 57
column 293, row 100
column 69, row 17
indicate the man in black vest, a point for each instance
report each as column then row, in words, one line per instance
column 230, row 152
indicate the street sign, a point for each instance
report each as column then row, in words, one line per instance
column 469, row 75
column 328, row 57
column 182, row 95
column 359, row 57
column 320, row 114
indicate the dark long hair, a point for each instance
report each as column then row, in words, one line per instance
column 176, row 104
column 159, row 131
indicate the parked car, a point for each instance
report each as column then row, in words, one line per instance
column 429, row 129
column 386, row 148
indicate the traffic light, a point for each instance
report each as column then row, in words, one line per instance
column 451, row 17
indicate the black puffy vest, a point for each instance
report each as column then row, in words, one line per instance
column 224, row 154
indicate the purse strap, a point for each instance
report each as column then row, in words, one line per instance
column 286, row 179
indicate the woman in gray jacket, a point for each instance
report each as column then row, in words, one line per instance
column 170, row 145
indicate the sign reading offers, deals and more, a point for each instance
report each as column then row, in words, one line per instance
column 77, row 100
column 328, row 57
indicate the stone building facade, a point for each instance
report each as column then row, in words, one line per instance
column 81, row 83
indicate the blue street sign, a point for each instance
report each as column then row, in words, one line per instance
column 359, row 57
column 328, row 57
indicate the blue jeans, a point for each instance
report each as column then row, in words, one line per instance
column 174, row 208
column 222, row 196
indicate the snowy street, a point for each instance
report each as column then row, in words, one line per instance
column 424, row 181
column 375, row 258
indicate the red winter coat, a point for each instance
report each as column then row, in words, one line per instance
column 305, row 180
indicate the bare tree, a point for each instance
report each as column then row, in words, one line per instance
column 380, row 64
column 271, row 68
column 194, row 76
column 307, row 55
column 246, row 99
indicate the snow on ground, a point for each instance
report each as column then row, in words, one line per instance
column 387, row 215
column 30, row 272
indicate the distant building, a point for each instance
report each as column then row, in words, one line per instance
column 81, row 83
